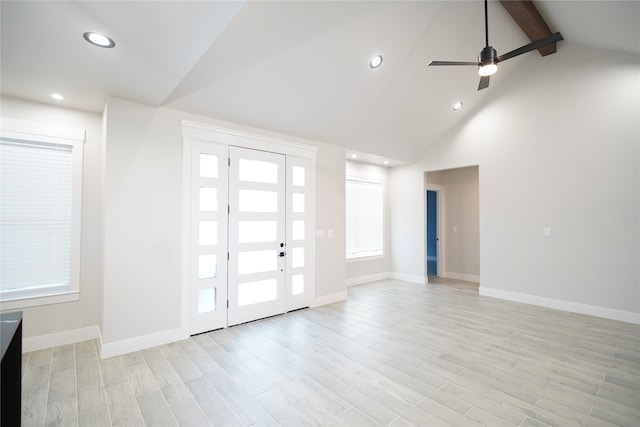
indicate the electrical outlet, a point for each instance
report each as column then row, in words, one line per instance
column 547, row 231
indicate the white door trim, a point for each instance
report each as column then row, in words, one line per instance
column 193, row 131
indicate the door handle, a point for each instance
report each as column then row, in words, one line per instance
column 282, row 254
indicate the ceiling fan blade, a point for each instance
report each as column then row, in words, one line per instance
column 551, row 38
column 484, row 82
column 451, row 63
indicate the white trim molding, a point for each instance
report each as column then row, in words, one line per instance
column 142, row 342
column 244, row 139
column 574, row 307
column 329, row 299
column 37, row 300
column 382, row 276
column 368, row 278
column 60, row 338
column 104, row 349
column 409, row 278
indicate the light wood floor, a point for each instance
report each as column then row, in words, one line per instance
column 394, row 354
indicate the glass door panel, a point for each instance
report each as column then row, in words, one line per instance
column 257, row 241
column 208, row 275
column 300, row 285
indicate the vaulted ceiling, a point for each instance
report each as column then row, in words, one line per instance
column 296, row 67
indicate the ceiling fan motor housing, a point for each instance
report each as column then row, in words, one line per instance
column 488, row 56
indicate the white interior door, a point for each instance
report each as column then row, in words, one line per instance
column 257, row 240
column 208, row 269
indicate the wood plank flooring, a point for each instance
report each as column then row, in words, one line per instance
column 395, row 354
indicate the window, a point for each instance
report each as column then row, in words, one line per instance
column 364, row 218
column 40, row 202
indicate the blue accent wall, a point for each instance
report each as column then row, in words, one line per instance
column 432, row 232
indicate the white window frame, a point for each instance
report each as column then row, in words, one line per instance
column 381, row 255
column 45, row 133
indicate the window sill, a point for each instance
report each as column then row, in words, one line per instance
column 39, row 300
column 365, row 258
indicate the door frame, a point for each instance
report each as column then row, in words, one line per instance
column 297, row 152
column 440, row 226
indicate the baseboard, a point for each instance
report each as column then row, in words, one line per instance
column 368, row 278
column 60, row 338
column 461, row 276
column 574, row 307
column 330, row 299
column 382, row 276
column 143, row 342
column 409, row 278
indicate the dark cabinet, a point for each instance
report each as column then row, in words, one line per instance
column 11, row 368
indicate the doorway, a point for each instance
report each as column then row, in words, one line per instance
column 250, row 250
column 452, row 224
column 432, row 233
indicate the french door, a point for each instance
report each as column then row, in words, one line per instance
column 257, row 239
column 252, row 244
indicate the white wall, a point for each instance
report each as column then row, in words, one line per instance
column 460, row 236
column 330, row 215
column 143, row 219
column 84, row 313
column 557, row 146
column 143, row 203
column 368, row 269
column 408, row 225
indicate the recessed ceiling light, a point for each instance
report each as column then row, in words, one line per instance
column 386, row 162
column 57, row 96
column 98, row 39
column 375, row 61
column 354, row 156
column 457, row 106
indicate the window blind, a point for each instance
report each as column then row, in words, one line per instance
column 364, row 218
column 35, row 218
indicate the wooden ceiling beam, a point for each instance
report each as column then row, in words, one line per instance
column 528, row 18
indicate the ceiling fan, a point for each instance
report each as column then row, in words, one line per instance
column 488, row 59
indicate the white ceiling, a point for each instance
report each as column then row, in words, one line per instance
column 298, row 67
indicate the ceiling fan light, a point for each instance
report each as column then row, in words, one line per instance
column 488, row 69
column 487, row 60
